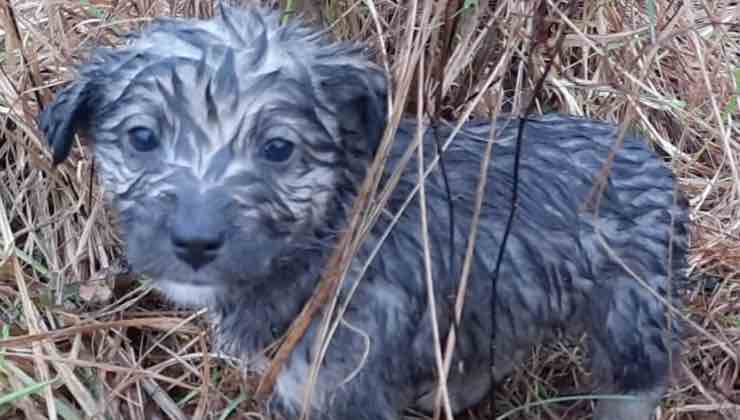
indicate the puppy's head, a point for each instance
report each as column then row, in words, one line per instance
column 227, row 146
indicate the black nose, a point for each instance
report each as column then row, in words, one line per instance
column 197, row 250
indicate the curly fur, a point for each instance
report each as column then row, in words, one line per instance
column 213, row 92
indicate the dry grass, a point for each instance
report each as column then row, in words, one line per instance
column 89, row 340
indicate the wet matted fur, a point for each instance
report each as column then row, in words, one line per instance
column 232, row 150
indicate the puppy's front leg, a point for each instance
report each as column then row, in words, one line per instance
column 368, row 369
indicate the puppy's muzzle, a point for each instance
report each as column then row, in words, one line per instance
column 198, row 228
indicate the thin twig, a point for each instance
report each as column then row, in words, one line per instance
column 515, row 186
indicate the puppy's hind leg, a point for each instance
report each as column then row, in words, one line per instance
column 619, row 400
column 633, row 349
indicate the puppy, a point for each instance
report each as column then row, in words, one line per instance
column 232, row 150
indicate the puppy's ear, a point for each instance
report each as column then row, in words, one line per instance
column 359, row 96
column 70, row 112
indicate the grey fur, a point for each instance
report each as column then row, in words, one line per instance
column 213, row 92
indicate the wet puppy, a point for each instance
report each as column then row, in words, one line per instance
column 232, row 150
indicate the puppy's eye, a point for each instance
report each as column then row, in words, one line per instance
column 143, row 139
column 277, row 150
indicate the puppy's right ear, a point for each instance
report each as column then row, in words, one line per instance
column 70, row 112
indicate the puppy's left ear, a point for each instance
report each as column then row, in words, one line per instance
column 359, row 96
column 71, row 111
